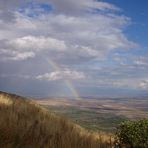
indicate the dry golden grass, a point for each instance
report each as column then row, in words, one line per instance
column 24, row 124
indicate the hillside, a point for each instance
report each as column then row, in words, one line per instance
column 24, row 124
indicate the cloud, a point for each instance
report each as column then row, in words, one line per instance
column 141, row 60
column 60, row 75
column 144, row 84
column 15, row 76
column 23, row 22
column 67, row 37
column 76, row 7
column 82, row 37
column 28, row 47
column 8, row 55
column 7, row 10
column 118, row 83
column 37, row 43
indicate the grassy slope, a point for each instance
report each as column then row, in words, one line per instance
column 23, row 124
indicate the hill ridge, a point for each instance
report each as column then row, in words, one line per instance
column 24, row 124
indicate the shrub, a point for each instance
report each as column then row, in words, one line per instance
column 132, row 134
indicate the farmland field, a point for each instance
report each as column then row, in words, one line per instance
column 98, row 114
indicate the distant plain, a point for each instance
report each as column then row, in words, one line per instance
column 98, row 114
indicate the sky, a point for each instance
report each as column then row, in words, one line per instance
column 75, row 48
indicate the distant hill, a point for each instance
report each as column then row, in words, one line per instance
column 24, row 124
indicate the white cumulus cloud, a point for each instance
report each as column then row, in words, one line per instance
column 60, row 75
column 8, row 55
column 37, row 43
column 144, row 84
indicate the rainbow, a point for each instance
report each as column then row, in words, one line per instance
column 68, row 83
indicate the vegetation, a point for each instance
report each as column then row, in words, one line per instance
column 24, row 124
column 89, row 119
column 132, row 134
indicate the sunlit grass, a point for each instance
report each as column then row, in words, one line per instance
column 5, row 100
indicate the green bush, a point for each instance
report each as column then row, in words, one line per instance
column 132, row 134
